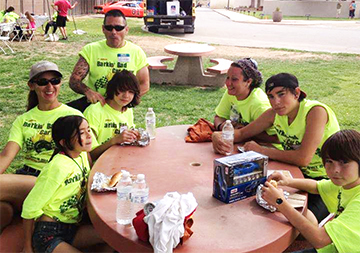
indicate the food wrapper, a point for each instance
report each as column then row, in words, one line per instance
column 101, row 183
column 143, row 141
column 263, row 203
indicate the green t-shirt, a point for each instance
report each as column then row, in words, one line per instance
column 32, row 132
column 107, row 122
column 344, row 230
column 60, row 190
column 244, row 111
column 290, row 136
column 104, row 61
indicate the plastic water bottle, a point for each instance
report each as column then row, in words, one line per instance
column 150, row 119
column 139, row 194
column 228, row 135
column 124, row 210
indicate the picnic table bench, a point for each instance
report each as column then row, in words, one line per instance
column 221, row 67
column 156, row 62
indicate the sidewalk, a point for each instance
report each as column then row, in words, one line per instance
column 243, row 18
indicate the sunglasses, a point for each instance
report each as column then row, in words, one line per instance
column 44, row 82
column 118, row 28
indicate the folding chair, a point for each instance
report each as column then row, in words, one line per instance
column 23, row 24
column 5, row 30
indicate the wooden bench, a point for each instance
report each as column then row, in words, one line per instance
column 222, row 66
column 156, row 62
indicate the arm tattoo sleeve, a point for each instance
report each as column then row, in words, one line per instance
column 80, row 71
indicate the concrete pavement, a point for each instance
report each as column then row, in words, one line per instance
column 238, row 17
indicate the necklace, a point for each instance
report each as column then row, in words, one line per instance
column 340, row 208
column 82, row 169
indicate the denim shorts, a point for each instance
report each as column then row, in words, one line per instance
column 48, row 235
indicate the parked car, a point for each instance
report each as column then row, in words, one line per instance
column 100, row 8
column 130, row 9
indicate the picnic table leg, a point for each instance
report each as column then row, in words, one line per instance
column 187, row 71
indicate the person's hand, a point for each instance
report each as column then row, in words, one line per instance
column 128, row 136
column 253, row 146
column 219, row 145
column 93, row 97
column 280, row 178
column 270, row 194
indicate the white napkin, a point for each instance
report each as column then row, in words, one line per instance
column 166, row 221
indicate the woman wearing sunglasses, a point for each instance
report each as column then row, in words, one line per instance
column 31, row 132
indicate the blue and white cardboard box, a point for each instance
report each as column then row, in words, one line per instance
column 237, row 176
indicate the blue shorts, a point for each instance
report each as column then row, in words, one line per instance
column 48, row 235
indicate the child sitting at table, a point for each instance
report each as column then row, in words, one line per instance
column 302, row 126
column 244, row 100
column 112, row 123
column 341, row 194
column 53, row 209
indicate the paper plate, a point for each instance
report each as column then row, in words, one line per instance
column 296, row 200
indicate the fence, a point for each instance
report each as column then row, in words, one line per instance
column 44, row 6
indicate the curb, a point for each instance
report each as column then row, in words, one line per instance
column 230, row 15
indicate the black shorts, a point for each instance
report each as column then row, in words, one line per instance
column 26, row 170
column 60, row 21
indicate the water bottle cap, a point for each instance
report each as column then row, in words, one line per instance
column 150, row 109
column 125, row 174
column 140, row 177
column 228, row 121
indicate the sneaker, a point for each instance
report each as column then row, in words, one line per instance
column 48, row 38
column 64, row 38
column 56, row 37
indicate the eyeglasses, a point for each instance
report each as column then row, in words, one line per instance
column 118, row 28
column 44, row 81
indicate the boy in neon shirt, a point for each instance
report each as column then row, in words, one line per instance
column 113, row 123
column 341, row 194
column 301, row 125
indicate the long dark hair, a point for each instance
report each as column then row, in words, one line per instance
column 124, row 81
column 66, row 128
column 33, row 100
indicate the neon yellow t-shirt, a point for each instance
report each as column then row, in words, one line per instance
column 244, row 111
column 104, row 61
column 290, row 136
column 107, row 122
column 11, row 16
column 32, row 132
column 60, row 190
column 344, row 230
column 2, row 14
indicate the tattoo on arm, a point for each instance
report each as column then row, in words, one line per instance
column 80, row 71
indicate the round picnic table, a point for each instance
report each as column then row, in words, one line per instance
column 188, row 68
column 170, row 165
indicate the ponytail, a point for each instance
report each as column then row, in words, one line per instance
column 32, row 100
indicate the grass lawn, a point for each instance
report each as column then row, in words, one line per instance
column 329, row 78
